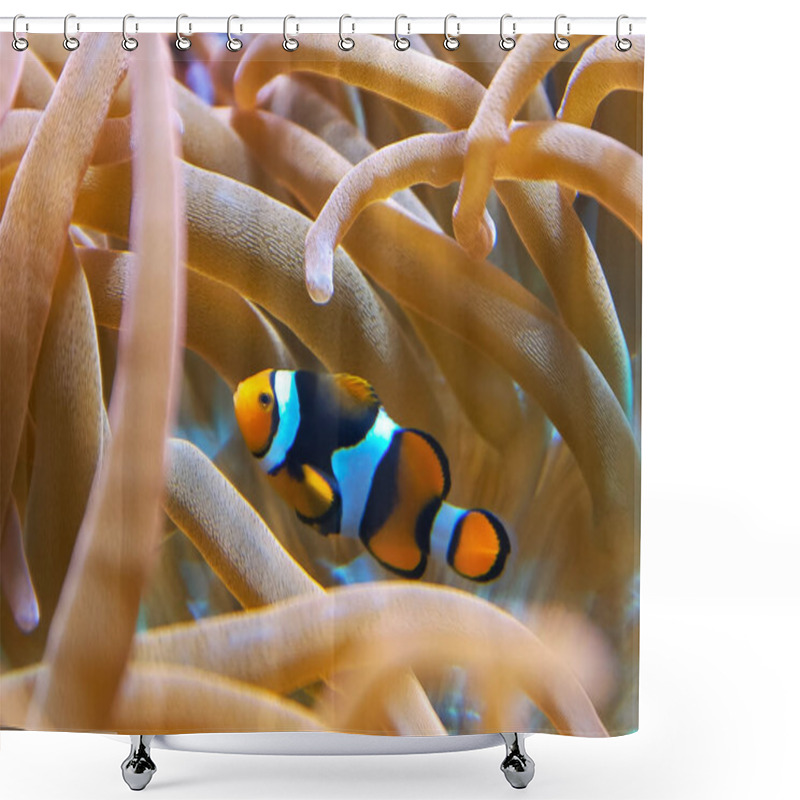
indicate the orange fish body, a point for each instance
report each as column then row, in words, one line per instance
column 332, row 452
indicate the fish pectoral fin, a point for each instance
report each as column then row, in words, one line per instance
column 309, row 491
column 323, row 493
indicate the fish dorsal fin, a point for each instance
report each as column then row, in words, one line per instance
column 357, row 389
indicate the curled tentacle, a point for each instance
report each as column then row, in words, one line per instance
column 15, row 576
column 522, row 70
column 354, row 333
column 579, row 158
column 602, row 69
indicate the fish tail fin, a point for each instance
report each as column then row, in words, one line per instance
column 473, row 541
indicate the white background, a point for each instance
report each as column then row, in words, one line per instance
column 720, row 545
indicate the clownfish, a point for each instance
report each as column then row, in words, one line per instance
column 335, row 456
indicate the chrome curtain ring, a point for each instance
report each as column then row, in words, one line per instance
column 400, row 42
column 70, row 42
column 17, row 42
column 345, row 42
column 181, row 42
column 233, row 44
column 451, row 42
column 623, row 45
column 128, row 42
column 507, row 42
column 560, row 42
column 290, row 44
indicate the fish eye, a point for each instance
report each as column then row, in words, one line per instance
column 264, row 399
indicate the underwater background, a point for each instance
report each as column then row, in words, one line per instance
column 461, row 229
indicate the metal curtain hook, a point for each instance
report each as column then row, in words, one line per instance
column 128, row 42
column 233, row 44
column 400, row 42
column 560, row 42
column 70, row 42
column 290, row 44
column 623, row 44
column 345, row 42
column 451, row 42
column 17, row 42
column 507, row 42
column 181, row 42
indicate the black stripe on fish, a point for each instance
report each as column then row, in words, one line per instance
column 326, row 425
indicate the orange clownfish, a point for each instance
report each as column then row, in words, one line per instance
column 332, row 452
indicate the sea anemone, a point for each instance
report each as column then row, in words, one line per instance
column 461, row 229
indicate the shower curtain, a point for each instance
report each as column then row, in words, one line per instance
column 320, row 384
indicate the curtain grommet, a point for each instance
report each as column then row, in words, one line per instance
column 345, row 42
column 623, row 45
column 233, row 44
column 400, row 42
column 507, row 42
column 181, row 41
column 128, row 42
column 71, row 43
column 290, row 44
column 19, row 43
column 560, row 43
column 451, row 42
